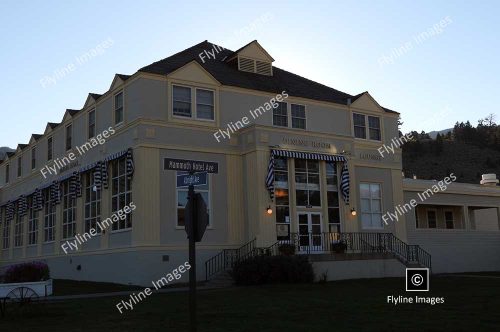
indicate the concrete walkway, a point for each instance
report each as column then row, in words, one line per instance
column 125, row 293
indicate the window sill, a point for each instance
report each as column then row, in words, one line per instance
column 121, row 231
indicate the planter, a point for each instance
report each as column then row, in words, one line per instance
column 338, row 247
column 41, row 288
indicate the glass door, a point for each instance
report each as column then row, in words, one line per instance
column 309, row 232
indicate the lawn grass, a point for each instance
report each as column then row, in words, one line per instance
column 73, row 287
column 352, row 305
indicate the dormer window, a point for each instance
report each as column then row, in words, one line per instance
column 255, row 66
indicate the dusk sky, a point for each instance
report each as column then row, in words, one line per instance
column 450, row 73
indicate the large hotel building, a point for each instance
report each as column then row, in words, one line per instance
column 303, row 168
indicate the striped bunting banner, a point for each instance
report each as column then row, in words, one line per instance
column 9, row 211
column 130, row 164
column 22, row 206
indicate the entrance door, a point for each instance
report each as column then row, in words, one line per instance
column 310, row 237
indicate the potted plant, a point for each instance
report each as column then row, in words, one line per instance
column 287, row 249
column 339, row 247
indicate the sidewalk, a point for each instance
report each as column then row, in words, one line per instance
column 124, row 293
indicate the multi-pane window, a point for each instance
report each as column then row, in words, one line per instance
column 7, row 173
column 49, row 224
column 119, row 108
column 448, row 217
column 280, row 115
column 91, row 124
column 18, row 231
column 19, row 166
column 69, row 137
column 181, row 101
column 298, row 116
column 182, row 199
column 49, row 148
column 6, row 234
column 69, row 212
column 121, row 193
column 204, row 104
column 431, row 219
column 33, row 158
column 32, row 222
column 282, row 198
column 307, row 183
column 92, row 204
column 371, row 205
column 374, row 128
column 332, row 192
column 359, row 126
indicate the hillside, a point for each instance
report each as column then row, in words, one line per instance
column 466, row 161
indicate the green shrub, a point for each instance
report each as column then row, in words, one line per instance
column 27, row 272
column 287, row 249
column 273, row 269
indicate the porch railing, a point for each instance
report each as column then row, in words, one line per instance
column 356, row 243
column 227, row 258
column 307, row 243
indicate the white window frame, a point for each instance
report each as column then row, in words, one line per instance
column 50, row 147
column 49, row 219
column 452, row 218
column 280, row 185
column 122, row 108
column 287, row 115
column 427, row 217
column 90, row 204
column 20, row 166
column 33, row 158
column 367, row 127
column 18, row 230
column 70, row 126
column 32, row 224
column 333, row 188
column 127, row 224
column 68, row 211
column 186, row 189
column 307, row 186
column 88, row 123
column 371, row 212
column 6, row 234
column 292, row 117
column 194, row 102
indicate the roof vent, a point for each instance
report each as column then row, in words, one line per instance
column 245, row 64
column 255, row 66
column 264, row 68
column 489, row 180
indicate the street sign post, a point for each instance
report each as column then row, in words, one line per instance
column 196, row 215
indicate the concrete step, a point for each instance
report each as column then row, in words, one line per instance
column 223, row 279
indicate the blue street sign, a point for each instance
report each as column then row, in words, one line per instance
column 196, row 179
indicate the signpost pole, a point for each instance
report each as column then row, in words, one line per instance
column 192, row 261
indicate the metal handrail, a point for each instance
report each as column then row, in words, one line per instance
column 227, row 258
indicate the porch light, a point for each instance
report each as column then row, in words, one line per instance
column 269, row 210
column 353, row 211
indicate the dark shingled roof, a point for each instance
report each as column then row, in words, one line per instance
column 53, row 125
column 22, row 146
column 123, row 76
column 10, row 154
column 95, row 95
column 228, row 74
column 37, row 136
column 72, row 112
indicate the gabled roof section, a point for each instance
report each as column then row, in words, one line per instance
column 34, row 138
column 69, row 114
column 91, row 99
column 118, row 80
column 50, row 126
column 252, row 50
column 366, row 101
column 21, row 147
